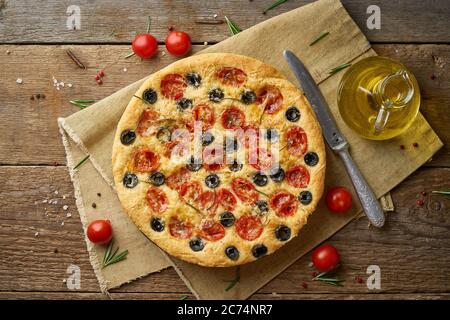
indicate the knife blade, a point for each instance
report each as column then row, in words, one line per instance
column 335, row 140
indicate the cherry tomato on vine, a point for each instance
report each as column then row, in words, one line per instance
column 178, row 43
column 325, row 258
column 144, row 45
column 339, row 199
column 99, row 231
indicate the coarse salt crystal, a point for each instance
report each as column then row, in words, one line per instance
column 44, row 201
column 62, row 84
column 62, row 223
column 310, row 264
column 8, row 52
column 68, row 215
column 58, row 88
column 55, row 202
column 69, row 85
column 36, row 234
column 55, row 81
column 56, row 192
column 215, row 15
column 65, row 207
column 64, row 197
column 205, row 43
column 19, row 80
column 64, row 280
column 125, row 69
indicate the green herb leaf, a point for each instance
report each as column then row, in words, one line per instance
column 81, row 162
column 234, row 29
column 112, row 257
column 235, row 281
column 82, row 103
column 129, row 55
column 149, row 21
column 339, row 68
column 142, row 99
column 445, row 193
column 274, row 5
column 325, row 277
column 318, row 38
column 184, row 297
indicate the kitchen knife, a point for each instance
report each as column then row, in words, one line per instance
column 336, row 140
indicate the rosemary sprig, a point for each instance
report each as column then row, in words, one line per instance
column 82, row 103
column 274, row 5
column 190, row 205
column 445, row 193
column 81, row 162
column 339, row 68
column 112, row 257
column 129, row 55
column 326, row 277
column 235, row 281
column 318, row 38
column 234, row 29
column 142, row 99
column 263, row 193
column 184, row 297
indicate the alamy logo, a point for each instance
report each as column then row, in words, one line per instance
column 74, row 17
column 374, row 20
column 73, row 282
column 374, row 279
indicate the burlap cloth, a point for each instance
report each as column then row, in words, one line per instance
column 384, row 164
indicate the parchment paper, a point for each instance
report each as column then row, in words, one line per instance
column 384, row 164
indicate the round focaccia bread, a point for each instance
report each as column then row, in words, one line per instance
column 219, row 160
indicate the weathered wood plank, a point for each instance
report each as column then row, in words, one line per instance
column 412, row 250
column 11, row 295
column 115, row 21
column 29, row 130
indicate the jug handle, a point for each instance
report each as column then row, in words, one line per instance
column 387, row 104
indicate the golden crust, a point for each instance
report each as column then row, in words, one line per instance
column 258, row 75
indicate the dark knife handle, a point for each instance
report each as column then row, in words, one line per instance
column 369, row 202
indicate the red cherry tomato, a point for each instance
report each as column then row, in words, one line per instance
column 325, row 258
column 339, row 200
column 178, row 43
column 99, row 231
column 144, row 45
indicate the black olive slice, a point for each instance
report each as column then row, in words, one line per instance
column 193, row 79
column 259, row 250
column 227, row 219
column 292, row 114
column 194, row 165
column 278, row 176
column 157, row 224
column 196, row 244
column 212, row 181
column 305, row 197
column 130, row 180
column 127, row 137
column 232, row 252
column 283, row 233
column 248, row 97
column 216, row 95
column 236, row 166
column 184, row 104
column 261, row 207
column 157, row 178
column 150, row 96
column 311, row 159
column 207, row 138
column 260, row 179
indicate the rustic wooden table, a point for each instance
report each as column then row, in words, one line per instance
column 413, row 249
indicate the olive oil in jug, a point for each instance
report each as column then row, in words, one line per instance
column 378, row 98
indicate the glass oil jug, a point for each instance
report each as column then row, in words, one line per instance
column 378, row 98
